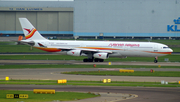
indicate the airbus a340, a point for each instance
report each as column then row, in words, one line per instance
column 96, row 51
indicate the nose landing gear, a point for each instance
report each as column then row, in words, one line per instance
column 156, row 60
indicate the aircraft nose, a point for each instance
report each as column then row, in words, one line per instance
column 171, row 50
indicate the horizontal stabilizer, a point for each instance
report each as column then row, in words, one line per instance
column 26, row 42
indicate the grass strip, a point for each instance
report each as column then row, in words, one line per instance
column 90, row 83
column 10, row 47
column 61, row 96
column 136, row 73
column 78, row 66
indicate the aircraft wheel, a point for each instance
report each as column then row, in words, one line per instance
column 85, row 60
column 96, row 60
column 90, row 60
column 101, row 60
column 155, row 61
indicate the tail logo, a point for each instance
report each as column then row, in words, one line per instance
column 30, row 32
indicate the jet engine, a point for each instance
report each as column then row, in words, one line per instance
column 74, row 52
column 101, row 55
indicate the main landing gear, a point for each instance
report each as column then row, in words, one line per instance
column 91, row 60
column 156, row 60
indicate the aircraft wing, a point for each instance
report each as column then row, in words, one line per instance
column 86, row 51
column 94, row 50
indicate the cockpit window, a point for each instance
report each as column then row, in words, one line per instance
column 165, row 47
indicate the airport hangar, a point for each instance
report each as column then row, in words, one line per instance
column 94, row 18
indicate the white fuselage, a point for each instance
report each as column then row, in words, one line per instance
column 115, row 48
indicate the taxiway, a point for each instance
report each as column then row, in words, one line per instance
column 139, row 94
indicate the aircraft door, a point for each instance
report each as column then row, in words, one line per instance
column 155, row 48
column 126, row 52
column 125, row 48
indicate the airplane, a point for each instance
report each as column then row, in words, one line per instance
column 95, row 51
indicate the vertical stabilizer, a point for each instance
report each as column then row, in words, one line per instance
column 29, row 30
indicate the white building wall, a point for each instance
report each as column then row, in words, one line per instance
column 125, row 17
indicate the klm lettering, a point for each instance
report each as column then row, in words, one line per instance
column 175, row 27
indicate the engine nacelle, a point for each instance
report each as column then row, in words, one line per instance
column 101, row 55
column 74, row 52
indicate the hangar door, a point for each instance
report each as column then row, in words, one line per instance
column 52, row 22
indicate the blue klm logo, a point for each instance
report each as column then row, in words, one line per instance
column 174, row 27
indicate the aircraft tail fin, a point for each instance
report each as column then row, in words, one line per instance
column 29, row 30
